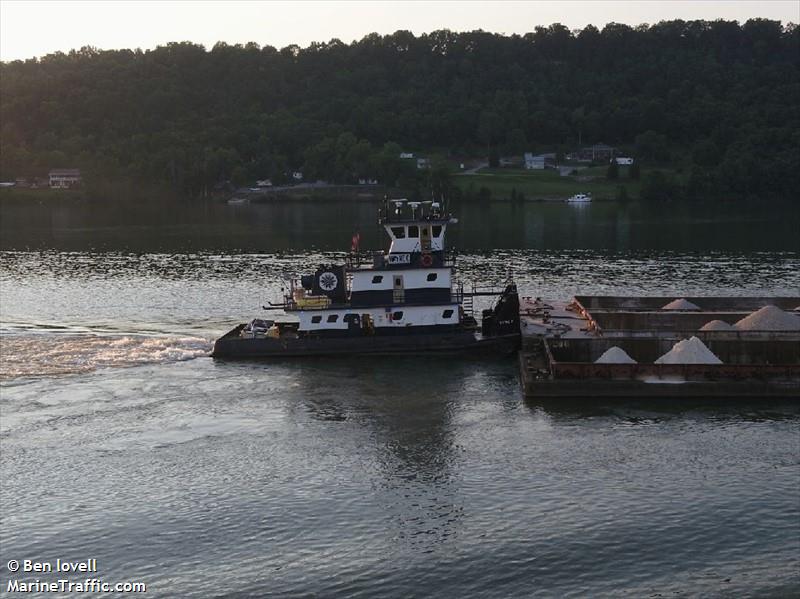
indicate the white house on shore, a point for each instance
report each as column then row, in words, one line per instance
column 64, row 178
column 539, row 161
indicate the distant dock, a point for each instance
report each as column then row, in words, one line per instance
column 562, row 341
column 306, row 191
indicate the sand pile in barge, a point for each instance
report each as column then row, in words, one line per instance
column 717, row 325
column 769, row 318
column 615, row 355
column 680, row 304
column 689, row 351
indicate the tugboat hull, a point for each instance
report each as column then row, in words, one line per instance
column 234, row 346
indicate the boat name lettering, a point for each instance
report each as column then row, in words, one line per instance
column 399, row 259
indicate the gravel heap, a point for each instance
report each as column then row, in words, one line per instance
column 689, row 351
column 681, row 304
column 615, row 355
column 769, row 318
column 717, row 325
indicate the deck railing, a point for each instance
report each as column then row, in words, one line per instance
column 363, row 260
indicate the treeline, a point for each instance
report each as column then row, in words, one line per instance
column 716, row 99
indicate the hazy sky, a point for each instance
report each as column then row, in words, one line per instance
column 29, row 28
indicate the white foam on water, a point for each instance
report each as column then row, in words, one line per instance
column 57, row 353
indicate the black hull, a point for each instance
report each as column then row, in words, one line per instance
column 233, row 346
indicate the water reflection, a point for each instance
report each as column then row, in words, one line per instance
column 402, row 402
column 651, row 411
column 288, row 225
column 406, row 408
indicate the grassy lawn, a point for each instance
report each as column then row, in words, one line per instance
column 600, row 171
column 542, row 185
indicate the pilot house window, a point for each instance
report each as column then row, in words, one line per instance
column 399, row 232
column 437, row 230
column 413, row 231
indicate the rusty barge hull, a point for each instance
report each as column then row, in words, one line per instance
column 559, row 350
column 583, row 380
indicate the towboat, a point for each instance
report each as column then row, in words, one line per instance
column 402, row 300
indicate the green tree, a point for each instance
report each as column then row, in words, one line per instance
column 516, row 142
column 705, row 153
column 714, row 94
column 652, row 147
column 390, row 165
column 658, row 187
column 494, row 157
column 439, row 179
column 489, row 126
column 238, row 176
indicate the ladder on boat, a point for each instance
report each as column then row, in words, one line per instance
column 534, row 360
column 467, row 302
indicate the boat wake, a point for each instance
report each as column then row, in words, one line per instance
column 68, row 353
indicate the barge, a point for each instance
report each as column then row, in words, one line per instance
column 564, row 342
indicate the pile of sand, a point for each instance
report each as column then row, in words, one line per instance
column 769, row 318
column 615, row 355
column 681, row 304
column 689, row 351
column 717, row 325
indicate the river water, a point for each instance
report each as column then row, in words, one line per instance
column 120, row 440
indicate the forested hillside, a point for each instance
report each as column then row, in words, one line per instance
column 718, row 100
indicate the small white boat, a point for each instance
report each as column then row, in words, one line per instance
column 580, row 198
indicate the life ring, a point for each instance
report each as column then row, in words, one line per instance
column 427, row 260
column 328, row 281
